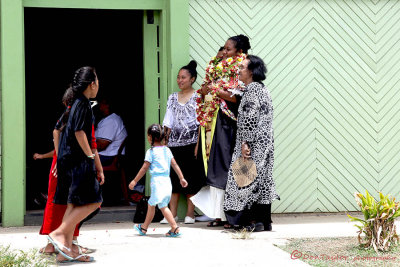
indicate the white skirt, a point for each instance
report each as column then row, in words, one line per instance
column 210, row 201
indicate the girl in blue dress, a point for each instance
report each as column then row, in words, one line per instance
column 159, row 160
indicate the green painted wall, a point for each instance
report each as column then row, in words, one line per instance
column 0, row 115
column 334, row 78
column 171, row 16
column 12, row 114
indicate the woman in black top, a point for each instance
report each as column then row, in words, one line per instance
column 78, row 165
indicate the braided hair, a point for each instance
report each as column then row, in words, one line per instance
column 156, row 132
column 83, row 77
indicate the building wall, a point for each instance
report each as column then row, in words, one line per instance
column 1, row 157
column 173, row 52
column 334, row 78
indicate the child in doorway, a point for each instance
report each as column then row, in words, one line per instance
column 159, row 159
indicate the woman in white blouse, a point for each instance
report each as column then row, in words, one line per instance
column 181, row 135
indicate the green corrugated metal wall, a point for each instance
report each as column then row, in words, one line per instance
column 334, row 77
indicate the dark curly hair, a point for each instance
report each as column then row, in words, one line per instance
column 241, row 43
column 257, row 67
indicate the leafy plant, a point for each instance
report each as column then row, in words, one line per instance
column 20, row 258
column 378, row 224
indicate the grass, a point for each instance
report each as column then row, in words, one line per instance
column 20, row 258
column 242, row 234
column 338, row 251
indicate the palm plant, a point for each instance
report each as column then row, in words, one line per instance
column 378, row 224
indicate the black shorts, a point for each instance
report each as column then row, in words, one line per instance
column 77, row 182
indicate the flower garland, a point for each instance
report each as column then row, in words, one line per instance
column 221, row 74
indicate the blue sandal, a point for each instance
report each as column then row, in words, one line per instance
column 141, row 231
column 173, row 233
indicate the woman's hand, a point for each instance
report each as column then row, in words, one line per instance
column 100, row 177
column 184, row 183
column 246, row 150
column 204, row 89
column 132, row 184
column 37, row 156
column 167, row 132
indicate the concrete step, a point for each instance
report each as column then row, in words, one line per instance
column 106, row 215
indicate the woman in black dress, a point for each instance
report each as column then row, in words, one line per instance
column 78, row 165
column 210, row 199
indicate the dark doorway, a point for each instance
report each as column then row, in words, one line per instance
column 59, row 41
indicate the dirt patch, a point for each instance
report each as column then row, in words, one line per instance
column 338, row 251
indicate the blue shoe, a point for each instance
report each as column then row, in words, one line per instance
column 173, row 233
column 141, row 231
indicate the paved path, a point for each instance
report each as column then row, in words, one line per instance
column 118, row 244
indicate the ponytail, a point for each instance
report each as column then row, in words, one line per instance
column 83, row 77
column 156, row 132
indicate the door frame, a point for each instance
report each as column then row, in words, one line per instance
column 174, row 53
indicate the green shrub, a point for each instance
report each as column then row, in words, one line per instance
column 378, row 224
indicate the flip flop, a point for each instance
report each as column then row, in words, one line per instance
column 88, row 250
column 57, row 246
column 228, row 226
column 216, row 223
column 138, row 227
column 90, row 259
column 68, row 258
column 173, row 233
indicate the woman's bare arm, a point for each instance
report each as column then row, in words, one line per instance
column 56, row 139
column 83, row 142
column 227, row 96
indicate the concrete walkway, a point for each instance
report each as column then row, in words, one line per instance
column 118, row 244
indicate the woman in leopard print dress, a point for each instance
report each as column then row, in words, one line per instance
column 252, row 203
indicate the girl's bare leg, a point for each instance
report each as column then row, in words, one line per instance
column 170, row 218
column 149, row 216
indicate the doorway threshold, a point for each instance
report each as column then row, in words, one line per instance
column 106, row 215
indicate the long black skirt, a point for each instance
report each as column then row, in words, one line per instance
column 257, row 213
column 221, row 151
column 191, row 167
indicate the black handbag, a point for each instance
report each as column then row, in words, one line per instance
column 141, row 211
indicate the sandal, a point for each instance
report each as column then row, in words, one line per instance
column 81, row 249
column 216, row 223
column 58, row 246
column 141, row 231
column 228, row 226
column 173, row 233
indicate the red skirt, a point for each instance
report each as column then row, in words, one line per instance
column 53, row 213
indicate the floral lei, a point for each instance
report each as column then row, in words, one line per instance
column 221, row 74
